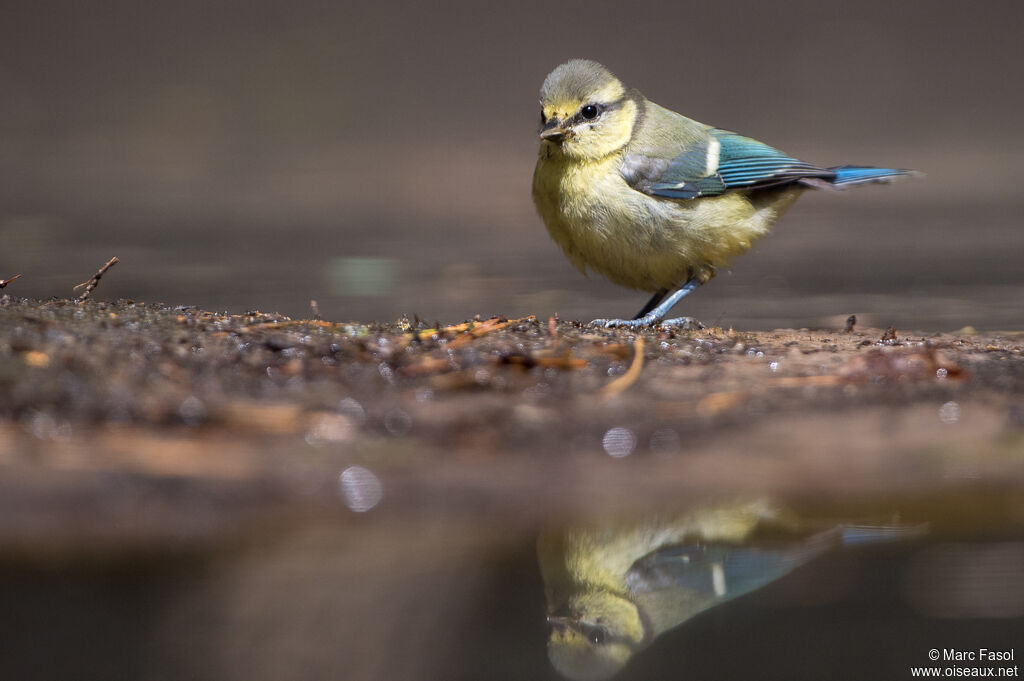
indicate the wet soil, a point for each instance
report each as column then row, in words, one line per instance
column 186, row 494
column 132, row 424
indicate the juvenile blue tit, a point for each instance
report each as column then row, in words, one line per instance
column 612, row 590
column 651, row 199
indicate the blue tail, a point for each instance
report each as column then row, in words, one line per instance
column 860, row 174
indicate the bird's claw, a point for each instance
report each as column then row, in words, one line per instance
column 683, row 323
column 617, row 323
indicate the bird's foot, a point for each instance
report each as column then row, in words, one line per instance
column 683, row 323
column 618, row 323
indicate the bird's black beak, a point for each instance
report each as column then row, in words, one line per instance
column 560, row 621
column 562, row 617
column 553, row 130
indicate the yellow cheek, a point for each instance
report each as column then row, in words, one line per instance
column 599, row 140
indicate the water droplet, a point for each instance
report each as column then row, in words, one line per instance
column 619, row 442
column 949, row 412
column 941, row 373
column 361, row 488
column 192, row 411
column 773, row 366
column 352, row 409
column 45, row 427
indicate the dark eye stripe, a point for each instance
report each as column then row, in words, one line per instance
column 601, row 109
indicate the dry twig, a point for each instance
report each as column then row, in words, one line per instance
column 484, row 328
column 91, row 285
column 629, row 378
column 288, row 324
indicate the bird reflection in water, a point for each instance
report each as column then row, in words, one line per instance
column 612, row 590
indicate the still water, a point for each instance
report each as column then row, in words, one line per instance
column 731, row 588
column 891, row 262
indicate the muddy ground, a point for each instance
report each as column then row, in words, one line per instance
column 129, row 422
column 185, row 494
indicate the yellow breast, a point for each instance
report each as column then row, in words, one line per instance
column 640, row 241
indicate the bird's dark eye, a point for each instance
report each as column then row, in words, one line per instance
column 590, row 111
column 596, row 635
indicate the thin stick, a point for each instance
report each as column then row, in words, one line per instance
column 91, row 285
column 485, row 327
column 5, row 282
column 629, row 378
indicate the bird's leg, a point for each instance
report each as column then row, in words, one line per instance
column 655, row 310
column 652, row 303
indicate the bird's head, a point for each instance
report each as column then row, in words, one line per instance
column 586, row 113
column 594, row 636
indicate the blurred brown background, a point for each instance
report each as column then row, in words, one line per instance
column 377, row 156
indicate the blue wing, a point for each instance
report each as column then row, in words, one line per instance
column 745, row 162
column 723, row 161
column 744, row 568
column 740, row 569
